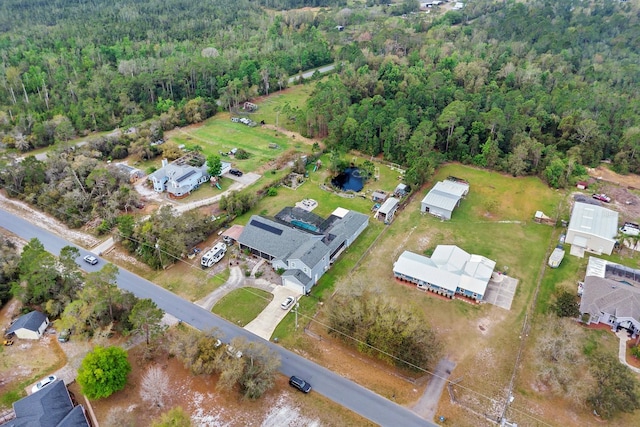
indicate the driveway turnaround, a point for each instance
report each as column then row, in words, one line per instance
column 266, row 322
column 500, row 291
column 352, row 396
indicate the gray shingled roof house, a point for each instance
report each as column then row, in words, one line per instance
column 611, row 295
column 50, row 407
column 30, row 326
column 301, row 243
column 179, row 178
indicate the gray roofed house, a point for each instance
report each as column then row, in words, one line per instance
column 592, row 228
column 30, row 326
column 444, row 197
column 178, row 178
column 302, row 244
column 611, row 295
column 450, row 271
column 50, row 407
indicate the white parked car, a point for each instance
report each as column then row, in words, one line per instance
column 43, row 383
column 287, row 302
column 91, row 259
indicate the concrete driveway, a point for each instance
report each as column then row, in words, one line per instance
column 266, row 322
column 246, row 178
column 500, row 291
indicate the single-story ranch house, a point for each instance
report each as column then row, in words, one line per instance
column 450, row 271
column 302, row 243
column 30, row 326
column 592, row 228
column 611, row 295
column 444, row 197
column 179, row 179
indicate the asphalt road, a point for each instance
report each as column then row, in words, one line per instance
column 309, row 73
column 341, row 390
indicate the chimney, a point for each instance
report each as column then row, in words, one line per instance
column 165, row 162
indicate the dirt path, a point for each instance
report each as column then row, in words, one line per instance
column 294, row 135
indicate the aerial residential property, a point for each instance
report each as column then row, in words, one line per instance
column 592, row 228
column 302, row 244
column 179, row 178
column 449, row 272
column 610, row 294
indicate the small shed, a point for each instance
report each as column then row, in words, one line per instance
column 541, row 218
column 582, row 185
column 31, row 326
column 379, row 196
column 388, row 209
column 401, row 190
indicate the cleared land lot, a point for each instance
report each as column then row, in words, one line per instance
column 495, row 220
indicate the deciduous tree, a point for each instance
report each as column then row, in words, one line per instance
column 103, row 372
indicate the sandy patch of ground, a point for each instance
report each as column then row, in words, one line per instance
column 207, row 406
column 46, row 221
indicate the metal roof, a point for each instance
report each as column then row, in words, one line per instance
column 594, row 220
column 390, row 204
column 449, row 267
column 446, row 194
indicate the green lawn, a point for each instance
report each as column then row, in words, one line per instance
column 242, row 305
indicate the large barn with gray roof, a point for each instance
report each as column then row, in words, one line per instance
column 592, row 228
column 301, row 243
column 449, row 272
column 444, row 197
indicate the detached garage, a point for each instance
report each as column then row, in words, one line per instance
column 444, row 197
column 592, row 228
column 31, row 326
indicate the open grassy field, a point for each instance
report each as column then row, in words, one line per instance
column 242, row 305
column 496, row 221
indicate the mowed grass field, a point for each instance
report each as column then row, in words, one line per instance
column 496, row 221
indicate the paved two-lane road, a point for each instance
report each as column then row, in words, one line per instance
column 342, row 391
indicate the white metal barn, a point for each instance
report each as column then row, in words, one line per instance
column 592, row 228
column 444, row 197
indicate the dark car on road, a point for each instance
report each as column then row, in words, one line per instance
column 300, row 384
column 235, row 172
column 91, row 259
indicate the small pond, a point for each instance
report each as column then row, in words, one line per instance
column 350, row 179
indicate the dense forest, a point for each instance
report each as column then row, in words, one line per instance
column 543, row 87
column 96, row 65
column 537, row 88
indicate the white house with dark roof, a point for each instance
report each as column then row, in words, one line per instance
column 444, row 197
column 301, row 243
column 50, row 407
column 592, row 228
column 179, row 179
column 611, row 295
column 449, row 272
column 30, row 326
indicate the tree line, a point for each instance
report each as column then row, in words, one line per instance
column 511, row 91
column 102, row 65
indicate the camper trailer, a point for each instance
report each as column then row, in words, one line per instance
column 214, row 255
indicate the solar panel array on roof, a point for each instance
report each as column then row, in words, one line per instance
column 266, row 227
column 186, row 175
